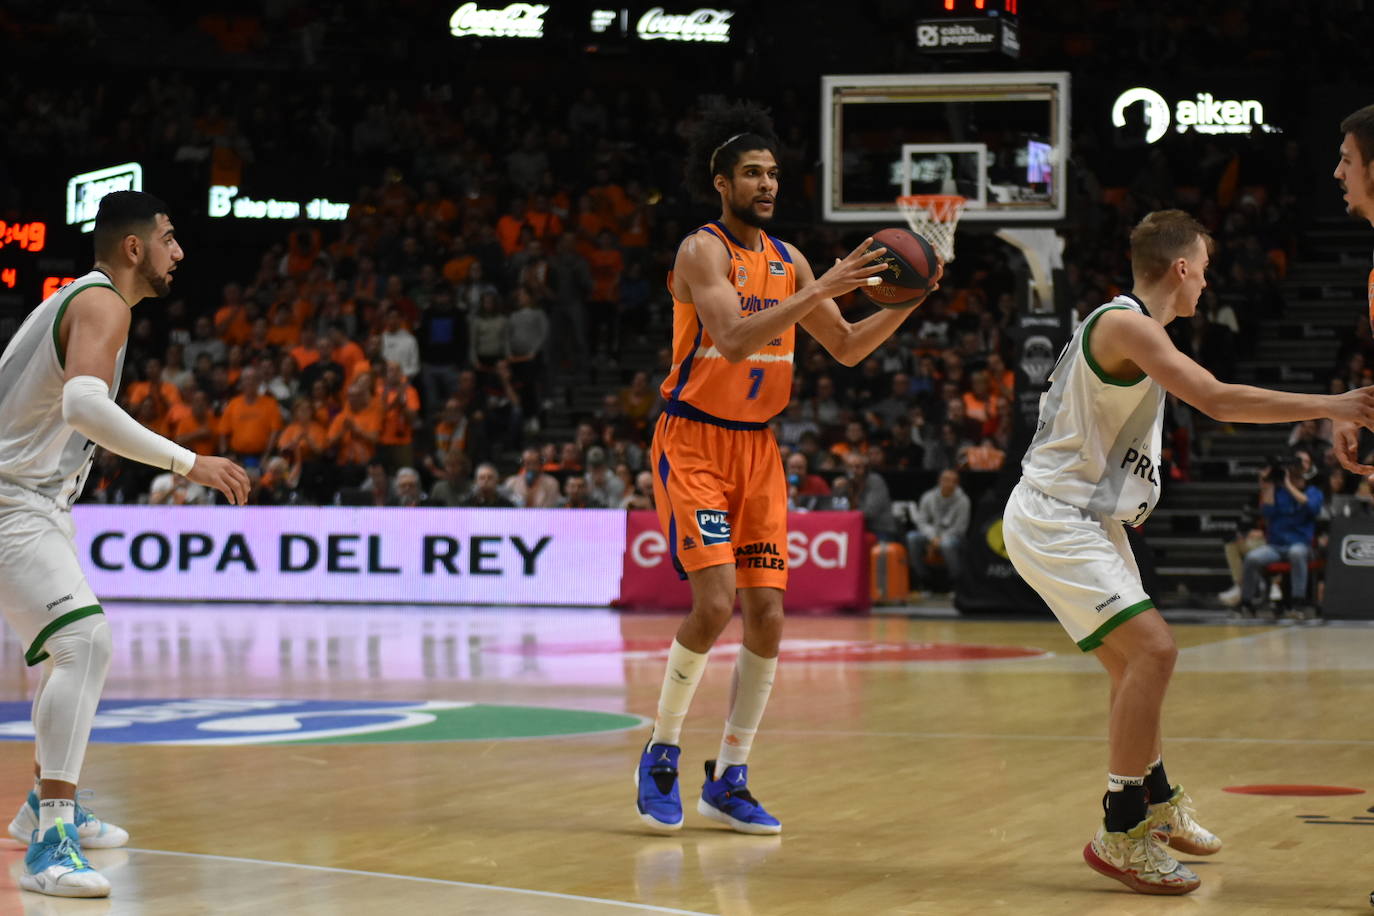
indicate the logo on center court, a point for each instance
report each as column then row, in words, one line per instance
column 714, row 526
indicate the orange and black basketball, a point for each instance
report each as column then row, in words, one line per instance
column 912, row 266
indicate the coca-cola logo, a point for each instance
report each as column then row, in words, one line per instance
column 518, row 20
column 703, row 24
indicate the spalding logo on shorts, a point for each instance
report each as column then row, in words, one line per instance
column 714, row 526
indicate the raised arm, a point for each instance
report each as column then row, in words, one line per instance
column 703, row 266
column 1126, row 342
column 850, row 342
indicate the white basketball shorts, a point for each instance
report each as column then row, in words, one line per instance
column 42, row 587
column 1078, row 561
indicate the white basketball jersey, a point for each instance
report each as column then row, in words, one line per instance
column 1097, row 442
column 38, row 450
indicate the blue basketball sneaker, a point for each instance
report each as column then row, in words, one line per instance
column 56, row 866
column 91, row 831
column 729, row 801
column 658, row 801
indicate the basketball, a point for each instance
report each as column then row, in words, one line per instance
column 911, row 266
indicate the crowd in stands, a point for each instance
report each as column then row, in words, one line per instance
column 509, row 245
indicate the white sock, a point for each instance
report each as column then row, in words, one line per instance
column 50, row 809
column 753, row 684
column 680, row 679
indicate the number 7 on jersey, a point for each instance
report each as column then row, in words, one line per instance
column 756, row 382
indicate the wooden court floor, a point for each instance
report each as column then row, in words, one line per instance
column 918, row 766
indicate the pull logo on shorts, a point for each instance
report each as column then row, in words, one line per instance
column 714, row 526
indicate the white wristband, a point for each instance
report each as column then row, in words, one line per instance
column 87, row 408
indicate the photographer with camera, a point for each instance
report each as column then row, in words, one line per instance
column 1290, row 506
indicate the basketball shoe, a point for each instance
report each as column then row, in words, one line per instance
column 1172, row 823
column 658, row 801
column 729, row 801
column 90, row 830
column 1137, row 861
column 56, row 866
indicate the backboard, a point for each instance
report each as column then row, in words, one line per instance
column 999, row 139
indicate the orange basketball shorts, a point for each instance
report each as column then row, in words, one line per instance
column 721, row 497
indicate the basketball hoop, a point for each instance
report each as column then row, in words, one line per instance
column 934, row 217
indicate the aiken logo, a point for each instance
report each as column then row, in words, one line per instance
column 1205, row 115
column 703, row 24
column 518, row 20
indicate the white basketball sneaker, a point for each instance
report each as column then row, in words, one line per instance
column 56, row 866
column 1137, row 861
column 90, row 830
column 1173, row 823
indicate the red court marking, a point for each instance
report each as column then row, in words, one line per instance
column 807, row 650
column 1293, row 790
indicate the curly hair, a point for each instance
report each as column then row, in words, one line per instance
column 717, row 140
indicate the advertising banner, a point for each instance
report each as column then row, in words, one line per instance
column 444, row 556
column 826, row 562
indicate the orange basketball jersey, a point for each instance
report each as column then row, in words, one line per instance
column 703, row 385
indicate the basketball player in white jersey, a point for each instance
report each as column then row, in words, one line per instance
column 1091, row 469
column 1355, row 172
column 58, row 378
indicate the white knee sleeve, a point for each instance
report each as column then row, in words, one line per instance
column 79, row 656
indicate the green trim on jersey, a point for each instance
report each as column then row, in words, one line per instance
column 62, row 310
column 1094, row 640
column 1092, row 363
column 36, row 653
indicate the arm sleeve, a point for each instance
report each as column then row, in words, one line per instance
column 87, row 408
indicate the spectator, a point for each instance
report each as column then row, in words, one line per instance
column 571, row 281
column 204, row 341
column 603, row 309
column 799, row 476
column 602, row 485
column 277, row 486
column 354, row 432
column 375, row 490
column 985, row 456
column 344, row 351
column 1290, row 507
column 867, row 492
column 883, row 414
column 490, row 335
column 642, row 496
column 250, row 423
column 531, row 487
column 453, row 484
column 941, row 518
column 169, row 489
column 399, row 345
column 486, row 491
column 529, row 329
column 400, row 406
column 443, row 348
column 577, row 496
column 408, row 491
column 855, row 440
column 637, row 399
column 195, row 426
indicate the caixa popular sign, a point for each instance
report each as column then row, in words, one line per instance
column 518, row 20
column 1204, row 113
column 84, row 191
column 704, row 24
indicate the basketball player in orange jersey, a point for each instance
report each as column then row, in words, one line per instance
column 738, row 293
column 1355, row 173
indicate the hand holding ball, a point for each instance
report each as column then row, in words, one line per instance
column 913, row 269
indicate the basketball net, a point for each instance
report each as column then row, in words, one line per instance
column 934, row 218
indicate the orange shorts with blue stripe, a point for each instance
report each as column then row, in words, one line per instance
column 721, row 496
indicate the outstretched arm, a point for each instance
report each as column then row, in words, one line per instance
column 1124, row 340
column 850, row 343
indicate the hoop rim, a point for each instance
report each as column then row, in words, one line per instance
column 940, row 207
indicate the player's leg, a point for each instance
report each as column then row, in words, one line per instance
column 46, row 600
column 759, row 508
column 694, row 514
column 1081, row 565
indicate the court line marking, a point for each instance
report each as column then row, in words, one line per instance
column 645, row 907
column 842, row 733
